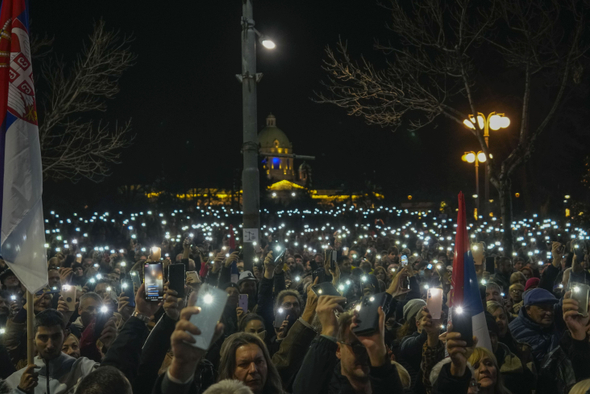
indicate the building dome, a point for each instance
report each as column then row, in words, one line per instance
column 271, row 135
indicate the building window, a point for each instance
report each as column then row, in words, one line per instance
column 276, row 162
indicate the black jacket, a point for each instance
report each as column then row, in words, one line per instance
column 320, row 373
column 449, row 384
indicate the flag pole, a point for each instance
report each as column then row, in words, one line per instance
column 30, row 329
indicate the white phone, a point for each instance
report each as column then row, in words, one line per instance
column 212, row 302
column 434, row 301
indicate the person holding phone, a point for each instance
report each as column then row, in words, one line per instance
column 364, row 364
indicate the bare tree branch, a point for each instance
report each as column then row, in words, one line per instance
column 73, row 146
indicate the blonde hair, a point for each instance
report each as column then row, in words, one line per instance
column 479, row 353
column 404, row 375
column 581, row 387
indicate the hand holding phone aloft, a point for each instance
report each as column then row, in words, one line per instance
column 211, row 303
column 186, row 355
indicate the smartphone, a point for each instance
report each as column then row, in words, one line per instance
column 104, row 314
column 280, row 317
column 128, row 291
column 319, row 273
column 69, row 294
column 579, row 250
column 368, row 313
column 177, row 279
column 154, row 281
column 580, row 292
column 243, row 302
column 333, row 260
column 404, row 260
column 212, row 302
column 193, row 276
column 325, row 289
column 434, row 299
column 461, row 319
column 280, row 256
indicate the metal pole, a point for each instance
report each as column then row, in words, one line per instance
column 250, row 180
column 30, row 328
column 477, row 184
column 486, row 135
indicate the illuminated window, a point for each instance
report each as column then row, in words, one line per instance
column 276, row 162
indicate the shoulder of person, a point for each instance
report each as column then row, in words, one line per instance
column 84, row 365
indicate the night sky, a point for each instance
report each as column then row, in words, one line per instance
column 185, row 103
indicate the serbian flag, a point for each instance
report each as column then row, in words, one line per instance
column 21, row 174
column 464, row 285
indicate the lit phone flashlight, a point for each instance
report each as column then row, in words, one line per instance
column 13, row 297
column 104, row 309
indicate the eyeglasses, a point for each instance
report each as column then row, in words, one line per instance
column 357, row 347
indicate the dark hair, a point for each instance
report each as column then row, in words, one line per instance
column 284, row 293
column 49, row 318
column 248, row 318
column 104, row 380
column 408, row 328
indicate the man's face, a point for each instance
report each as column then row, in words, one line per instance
column 248, row 287
column 542, row 314
column 43, row 303
column 516, row 295
column 251, row 368
column 11, row 281
column 53, row 279
column 71, row 346
column 88, row 310
column 354, row 359
column 501, row 321
column 493, row 294
column 79, row 272
column 505, row 267
column 291, row 261
column 291, row 305
column 101, row 289
column 49, row 341
column 114, row 277
column 232, row 296
column 518, row 265
column 345, row 266
column 319, row 259
column 299, row 261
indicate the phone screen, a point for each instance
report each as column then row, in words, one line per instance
column 243, row 302
column 580, row 292
column 212, row 302
column 154, row 282
column 463, row 324
column 129, row 291
column 434, row 302
column 404, row 260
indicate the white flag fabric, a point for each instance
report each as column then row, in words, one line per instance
column 21, row 173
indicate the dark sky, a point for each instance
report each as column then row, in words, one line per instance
column 185, row 101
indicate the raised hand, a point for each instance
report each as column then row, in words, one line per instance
column 172, row 304
column 575, row 322
column 458, row 351
column 325, row 311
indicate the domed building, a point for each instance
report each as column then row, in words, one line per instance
column 274, row 141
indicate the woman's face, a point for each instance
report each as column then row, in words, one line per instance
column 501, row 321
column 254, row 327
column 527, row 274
column 232, row 294
column 485, row 373
column 380, row 275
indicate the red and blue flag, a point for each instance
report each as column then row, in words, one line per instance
column 21, row 173
column 464, row 285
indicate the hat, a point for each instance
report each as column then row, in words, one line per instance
column 412, row 308
column 539, row 296
column 533, row 282
column 245, row 276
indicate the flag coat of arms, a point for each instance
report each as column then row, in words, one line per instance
column 21, row 174
column 464, row 285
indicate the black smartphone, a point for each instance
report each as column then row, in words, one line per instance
column 368, row 313
column 212, row 302
column 461, row 319
column 154, row 281
column 325, row 289
column 280, row 317
column 177, row 278
column 128, row 291
column 319, row 273
column 333, row 260
column 490, row 266
column 580, row 250
column 104, row 314
column 280, row 255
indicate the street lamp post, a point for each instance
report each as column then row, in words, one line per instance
column 493, row 121
column 250, row 177
column 472, row 157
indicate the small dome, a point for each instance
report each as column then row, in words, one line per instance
column 271, row 133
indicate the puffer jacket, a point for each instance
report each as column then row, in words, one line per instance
column 542, row 340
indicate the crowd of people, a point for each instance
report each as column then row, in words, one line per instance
column 97, row 332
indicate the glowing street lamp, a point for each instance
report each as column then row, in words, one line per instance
column 472, row 157
column 493, row 121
